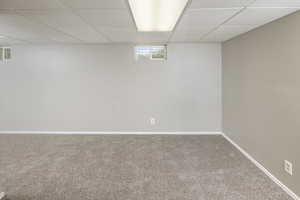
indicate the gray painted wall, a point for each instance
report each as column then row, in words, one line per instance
column 102, row 88
column 261, row 95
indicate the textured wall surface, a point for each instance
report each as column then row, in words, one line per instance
column 261, row 109
column 103, row 88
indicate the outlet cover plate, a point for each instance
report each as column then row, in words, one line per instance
column 288, row 167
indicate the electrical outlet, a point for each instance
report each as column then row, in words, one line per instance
column 152, row 121
column 288, row 167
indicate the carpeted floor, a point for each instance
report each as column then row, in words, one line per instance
column 128, row 167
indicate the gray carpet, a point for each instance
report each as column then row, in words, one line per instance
column 128, row 167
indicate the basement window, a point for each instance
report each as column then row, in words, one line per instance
column 5, row 53
column 151, row 52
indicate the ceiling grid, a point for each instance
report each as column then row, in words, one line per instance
column 111, row 21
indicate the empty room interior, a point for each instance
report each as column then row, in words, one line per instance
column 149, row 99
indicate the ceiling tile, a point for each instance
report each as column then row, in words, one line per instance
column 30, row 4
column 202, row 18
column 189, row 35
column 259, row 16
column 66, row 22
column 18, row 27
column 153, row 37
column 219, row 3
column 108, row 18
column 186, row 37
column 276, row 3
column 226, row 32
column 49, row 20
column 120, row 35
column 130, row 35
column 9, row 41
column 96, row 4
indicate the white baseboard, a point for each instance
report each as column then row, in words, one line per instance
column 115, row 132
column 262, row 168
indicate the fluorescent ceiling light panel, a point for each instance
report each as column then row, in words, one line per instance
column 156, row 15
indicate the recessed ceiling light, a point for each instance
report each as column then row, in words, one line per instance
column 156, row 15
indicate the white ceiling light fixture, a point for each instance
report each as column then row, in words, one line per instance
column 156, row 15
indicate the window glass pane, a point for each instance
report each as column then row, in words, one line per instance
column 151, row 52
column 7, row 53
